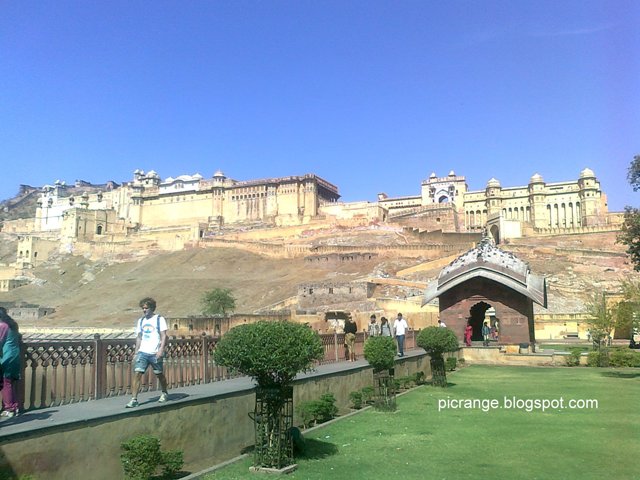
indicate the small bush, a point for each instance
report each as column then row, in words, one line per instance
column 356, row 399
column 408, row 382
column 598, row 358
column 142, row 457
column 623, row 357
column 314, row 412
column 573, row 359
column 420, row 378
column 451, row 363
column 171, row 462
column 367, row 394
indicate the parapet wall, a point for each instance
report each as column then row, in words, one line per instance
column 208, row 428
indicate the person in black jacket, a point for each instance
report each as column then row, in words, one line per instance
column 350, row 329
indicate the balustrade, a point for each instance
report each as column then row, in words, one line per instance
column 61, row 372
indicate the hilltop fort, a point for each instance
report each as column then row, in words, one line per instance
column 332, row 246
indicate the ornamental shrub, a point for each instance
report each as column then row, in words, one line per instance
column 356, row 399
column 598, row 358
column 142, row 457
column 451, row 364
column 270, row 352
column 624, row 357
column 314, row 412
column 573, row 359
column 367, row 394
column 380, row 352
column 436, row 341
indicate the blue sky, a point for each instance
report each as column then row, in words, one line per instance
column 371, row 95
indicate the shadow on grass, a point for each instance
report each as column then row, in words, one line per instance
column 317, row 449
column 621, row 374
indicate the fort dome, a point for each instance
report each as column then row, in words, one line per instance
column 587, row 172
column 536, row 178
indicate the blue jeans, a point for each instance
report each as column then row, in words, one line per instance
column 400, row 340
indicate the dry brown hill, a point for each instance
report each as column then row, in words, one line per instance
column 87, row 293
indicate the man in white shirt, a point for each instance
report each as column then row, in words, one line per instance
column 441, row 324
column 400, row 328
column 151, row 331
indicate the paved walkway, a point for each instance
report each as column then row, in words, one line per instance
column 45, row 418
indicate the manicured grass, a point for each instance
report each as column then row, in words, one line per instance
column 566, row 347
column 420, row 442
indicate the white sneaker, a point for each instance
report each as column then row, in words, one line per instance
column 164, row 397
column 133, row 403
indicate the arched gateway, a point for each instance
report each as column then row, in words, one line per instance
column 488, row 284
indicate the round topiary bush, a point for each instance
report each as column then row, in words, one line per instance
column 380, row 352
column 436, row 341
column 272, row 353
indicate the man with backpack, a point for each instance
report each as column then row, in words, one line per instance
column 151, row 338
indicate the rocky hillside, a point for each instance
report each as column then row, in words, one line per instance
column 88, row 293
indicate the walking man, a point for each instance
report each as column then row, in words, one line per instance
column 151, row 331
column 400, row 327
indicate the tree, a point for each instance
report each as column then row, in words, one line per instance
column 633, row 174
column 218, row 301
column 272, row 353
column 436, row 341
column 603, row 318
column 628, row 310
column 630, row 235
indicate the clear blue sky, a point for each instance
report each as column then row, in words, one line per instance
column 371, row 95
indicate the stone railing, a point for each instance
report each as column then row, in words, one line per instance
column 64, row 371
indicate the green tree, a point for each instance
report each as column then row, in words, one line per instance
column 628, row 310
column 437, row 341
column 633, row 174
column 630, row 235
column 218, row 301
column 603, row 318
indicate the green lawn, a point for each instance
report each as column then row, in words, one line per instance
column 566, row 347
column 420, row 442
